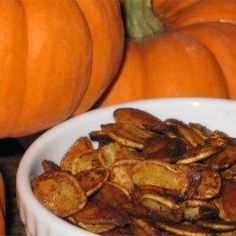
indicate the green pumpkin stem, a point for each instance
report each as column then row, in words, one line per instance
column 140, row 21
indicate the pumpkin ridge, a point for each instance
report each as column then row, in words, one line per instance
column 188, row 49
column 45, row 99
column 205, row 11
column 12, row 81
column 219, row 38
column 106, row 60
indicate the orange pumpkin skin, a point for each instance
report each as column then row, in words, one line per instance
column 46, row 60
column 47, row 70
column 200, row 12
column 159, row 76
column 107, row 31
column 166, row 9
column 220, row 40
column 123, row 89
column 183, row 60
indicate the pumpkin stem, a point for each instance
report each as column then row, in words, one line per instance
column 140, row 21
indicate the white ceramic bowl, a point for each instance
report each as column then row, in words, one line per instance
column 214, row 113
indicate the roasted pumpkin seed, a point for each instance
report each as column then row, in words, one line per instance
column 142, row 227
column 92, row 180
column 126, row 134
column 198, row 154
column 217, row 225
column 60, row 192
column 224, row 159
column 114, row 152
column 80, row 146
column 162, row 207
column 210, row 184
column 50, row 166
column 89, row 160
column 136, row 117
column 162, row 174
column 186, row 229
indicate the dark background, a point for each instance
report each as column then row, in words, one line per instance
column 11, row 152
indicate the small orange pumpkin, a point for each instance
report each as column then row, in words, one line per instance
column 176, row 49
column 52, row 53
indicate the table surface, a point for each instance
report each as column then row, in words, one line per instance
column 11, row 152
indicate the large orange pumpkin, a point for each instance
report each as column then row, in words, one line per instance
column 177, row 48
column 52, row 53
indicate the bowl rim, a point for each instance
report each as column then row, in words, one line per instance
column 25, row 194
